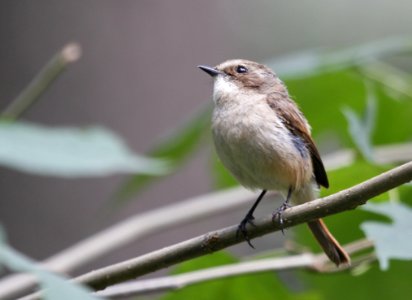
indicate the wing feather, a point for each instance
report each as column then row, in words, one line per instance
column 296, row 123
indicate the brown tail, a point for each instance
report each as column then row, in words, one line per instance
column 329, row 244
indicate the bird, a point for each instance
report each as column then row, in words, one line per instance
column 264, row 140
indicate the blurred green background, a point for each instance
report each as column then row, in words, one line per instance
column 138, row 77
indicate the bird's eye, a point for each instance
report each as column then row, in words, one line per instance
column 241, row 69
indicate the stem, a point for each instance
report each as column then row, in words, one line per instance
column 318, row 263
column 69, row 54
column 175, row 282
column 389, row 76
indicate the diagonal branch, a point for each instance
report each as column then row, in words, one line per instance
column 141, row 225
column 223, row 238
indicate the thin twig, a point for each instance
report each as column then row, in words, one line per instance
column 57, row 64
column 389, row 76
column 180, row 281
column 386, row 154
column 324, row 265
column 314, row 262
column 141, row 225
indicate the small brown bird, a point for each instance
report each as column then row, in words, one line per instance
column 264, row 140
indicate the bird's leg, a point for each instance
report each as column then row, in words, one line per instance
column 241, row 229
column 282, row 208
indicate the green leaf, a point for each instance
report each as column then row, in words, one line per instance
column 70, row 152
column 392, row 240
column 55, row 286
column 252, row 286
column 176, row 148
column 361, row 128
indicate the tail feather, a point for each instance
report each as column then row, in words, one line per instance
column 329, row 244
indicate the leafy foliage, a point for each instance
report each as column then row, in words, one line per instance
column 68, row 151
column 386, row 235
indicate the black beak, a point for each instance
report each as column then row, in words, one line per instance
column 209, row 70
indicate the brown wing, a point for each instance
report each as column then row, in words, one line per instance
column 297, row 125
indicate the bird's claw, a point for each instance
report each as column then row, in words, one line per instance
column 241, row 229
column 278, row 214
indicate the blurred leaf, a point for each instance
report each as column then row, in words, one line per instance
column 361, row 128
column 254, row 286
column 392, row 240
column 313, row 62
column 55, row 286
column 69, row 151
column 176, row 148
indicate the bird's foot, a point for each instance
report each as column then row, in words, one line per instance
column 241, row 229
column 277, row 214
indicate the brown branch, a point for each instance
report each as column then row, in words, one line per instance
column 223, row 238
column 148, row 223
column 133, row 228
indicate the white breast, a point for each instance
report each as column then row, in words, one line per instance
column 253, row 143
